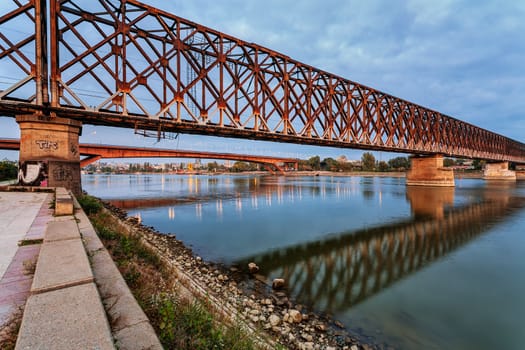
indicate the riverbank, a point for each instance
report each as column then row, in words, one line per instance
column 271, row 316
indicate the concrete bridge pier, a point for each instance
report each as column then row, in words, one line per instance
column 498, row 171
column 429, row 171
column 49, row 152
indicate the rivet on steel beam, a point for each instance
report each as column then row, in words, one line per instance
column 142, row 80
column 124, row 86
column 116, row 50
column 88, row 16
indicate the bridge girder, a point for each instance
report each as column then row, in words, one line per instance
column 96, row 152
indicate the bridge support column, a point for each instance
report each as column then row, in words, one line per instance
column 498, row 171
column 49, row 152
column 429, row 171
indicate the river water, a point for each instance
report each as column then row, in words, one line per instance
column 414, row 268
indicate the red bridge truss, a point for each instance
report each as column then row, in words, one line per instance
column 124, row 63
column 96, row 152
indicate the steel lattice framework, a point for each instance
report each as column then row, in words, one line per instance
column 127, row 64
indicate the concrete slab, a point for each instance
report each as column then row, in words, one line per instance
column 63, row 206
column 121, row 306
column 89, row 236
column 103, row 266
column 61, row 264
column 63, row 202
column 137, row 337
column 61, row 191
column 63, row 218
column 70, row 318
column 23, row 264
column 45, row 214
column 16, row 283
column 65, row 228
column 130, row 326
column 17, row 213
column 14, row 290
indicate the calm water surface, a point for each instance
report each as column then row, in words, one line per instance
column 414, row 268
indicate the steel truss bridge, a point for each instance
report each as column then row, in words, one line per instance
column 341, row 272
column 127, row 64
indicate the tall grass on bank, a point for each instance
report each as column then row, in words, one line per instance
column 179, row 323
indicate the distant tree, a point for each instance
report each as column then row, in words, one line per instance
column 449, row 162
column 213, row 166
column 369, row 161
column 347, row 166
column 243, row 166
column 315, row 163
column 238, row 167
column 8, row 170
column 329, row 164
column 383, row 166
column 91, row 168
column 478, row 164
column 303, row 165
column 399, row 163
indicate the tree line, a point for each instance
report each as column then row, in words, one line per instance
column 8, row 170
column 367, row 163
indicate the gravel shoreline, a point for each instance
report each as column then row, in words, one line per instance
column 270, row 312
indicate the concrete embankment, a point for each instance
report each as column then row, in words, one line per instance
column 77, row 298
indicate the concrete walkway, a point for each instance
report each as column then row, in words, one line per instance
column 61, row 276
column 17, row 213
column 23, row 217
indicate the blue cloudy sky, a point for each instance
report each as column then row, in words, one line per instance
column 463, row 58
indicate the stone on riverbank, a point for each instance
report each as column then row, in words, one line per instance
column 253, row 268
column 295, row 316
column 274, row 320
column 278, row 283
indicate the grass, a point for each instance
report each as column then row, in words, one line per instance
column 179, row 323
column 25, row 242
column 191, row 325
column 90, row 204
column 29, row 266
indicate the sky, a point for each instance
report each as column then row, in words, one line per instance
column 465, row 59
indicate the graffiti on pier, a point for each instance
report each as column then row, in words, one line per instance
column 33, row 173
column 47, row 145
column 62, row 173
column 73, row 149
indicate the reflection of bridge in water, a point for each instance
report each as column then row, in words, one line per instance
column 344, row 271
